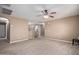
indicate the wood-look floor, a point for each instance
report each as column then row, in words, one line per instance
column 38, row 47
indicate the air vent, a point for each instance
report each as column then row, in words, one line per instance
column 6, row 11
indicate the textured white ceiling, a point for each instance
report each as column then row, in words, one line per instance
column 30, row 11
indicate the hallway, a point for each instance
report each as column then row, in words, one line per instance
column 38, row 47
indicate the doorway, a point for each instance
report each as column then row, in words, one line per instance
column 4, row 29
column 36, row 30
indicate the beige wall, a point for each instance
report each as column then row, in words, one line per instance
column 18, row 28
column 65, row 28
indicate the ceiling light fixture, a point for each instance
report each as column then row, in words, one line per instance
column 46, row 16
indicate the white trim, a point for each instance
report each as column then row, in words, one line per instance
column 59, row 40
column 18, row 41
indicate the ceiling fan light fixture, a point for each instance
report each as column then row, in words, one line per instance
column 46, row 16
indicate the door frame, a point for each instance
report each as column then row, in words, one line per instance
column 32, row 30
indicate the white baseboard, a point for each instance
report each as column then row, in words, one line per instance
column 59, row 40
column 18, row 41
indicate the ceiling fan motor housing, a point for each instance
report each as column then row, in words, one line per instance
column 45, row 12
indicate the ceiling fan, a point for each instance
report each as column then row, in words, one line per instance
column 47, row 14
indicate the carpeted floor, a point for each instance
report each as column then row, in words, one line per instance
column 38, row 47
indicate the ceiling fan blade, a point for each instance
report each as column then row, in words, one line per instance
column 52, row 16
column 53, row 13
